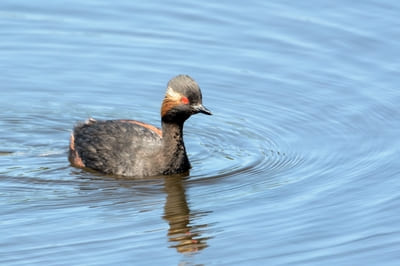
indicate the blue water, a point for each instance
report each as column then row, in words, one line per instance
column 297, row 166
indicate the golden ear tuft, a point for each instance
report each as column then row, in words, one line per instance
column 172, row 99
column 173, row 95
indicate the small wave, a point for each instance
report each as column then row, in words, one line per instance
column 233, row 149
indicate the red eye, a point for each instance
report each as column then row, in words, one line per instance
column 184, row 100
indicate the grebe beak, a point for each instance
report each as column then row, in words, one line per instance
column 201, row 109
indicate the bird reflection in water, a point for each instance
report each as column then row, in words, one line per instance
column 185, row 236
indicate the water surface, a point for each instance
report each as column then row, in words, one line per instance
column 298, row 164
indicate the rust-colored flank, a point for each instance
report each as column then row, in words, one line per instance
column 74, row 156
column 151, row 127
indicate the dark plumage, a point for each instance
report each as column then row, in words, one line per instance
column 133, row 148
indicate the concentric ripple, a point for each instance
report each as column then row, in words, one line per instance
column 239, row 148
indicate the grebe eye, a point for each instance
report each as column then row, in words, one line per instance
column 184, row 100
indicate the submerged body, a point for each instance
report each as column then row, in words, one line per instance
column 133, row 148
column 126, row 148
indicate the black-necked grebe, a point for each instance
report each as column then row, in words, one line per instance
column 133, row 148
